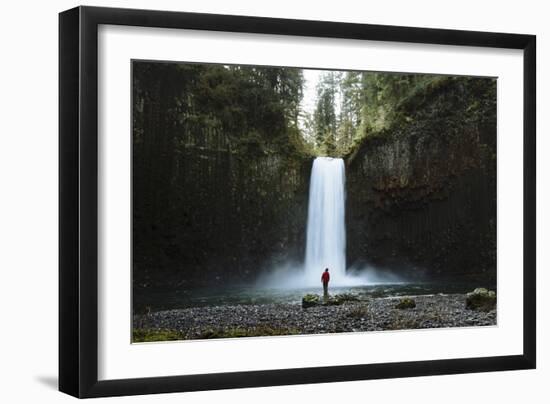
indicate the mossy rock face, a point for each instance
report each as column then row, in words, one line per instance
column 331, row 301
column 310, row 300
column 406, row 303
column 481, row 299
column 345, row 297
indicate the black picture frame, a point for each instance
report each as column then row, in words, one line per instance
column 78, row 201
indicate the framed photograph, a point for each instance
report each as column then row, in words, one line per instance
column 251, row 201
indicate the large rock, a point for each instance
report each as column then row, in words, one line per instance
column 481, row 299
column 310, row 300
column 406, row 303
column 345, row 297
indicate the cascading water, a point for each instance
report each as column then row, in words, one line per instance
column 325, row 238
column 326, row 231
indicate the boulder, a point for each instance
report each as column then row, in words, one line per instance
column 481, row 299
column 345, row 297
column 406, row 303
column 310, row 300
column 332, row 301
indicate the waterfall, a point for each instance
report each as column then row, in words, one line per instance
column 326, row 229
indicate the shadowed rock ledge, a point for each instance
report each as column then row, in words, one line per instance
column 422, row 194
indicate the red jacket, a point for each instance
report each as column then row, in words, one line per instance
column 325, row 277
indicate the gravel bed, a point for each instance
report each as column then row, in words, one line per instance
column 377, row 314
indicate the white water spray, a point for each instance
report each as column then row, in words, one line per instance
column 326, row 230
column 326, row 238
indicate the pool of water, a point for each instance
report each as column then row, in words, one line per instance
column 166, row 299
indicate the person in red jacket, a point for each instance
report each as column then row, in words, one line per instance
column 325, row 278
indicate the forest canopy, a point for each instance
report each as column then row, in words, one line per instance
column 247, row 104
column 263, row 108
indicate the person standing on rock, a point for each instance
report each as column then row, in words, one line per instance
column 325, row 278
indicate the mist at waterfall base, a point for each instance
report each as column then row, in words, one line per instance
column 291, row 275
column 326, row 238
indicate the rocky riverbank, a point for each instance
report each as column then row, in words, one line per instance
column 375, row 314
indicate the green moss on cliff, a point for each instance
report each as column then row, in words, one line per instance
column 423, row 190
column 449, row 102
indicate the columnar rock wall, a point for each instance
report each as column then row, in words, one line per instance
column 422, row 195
column 231, row 212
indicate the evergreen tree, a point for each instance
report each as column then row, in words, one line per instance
column 325, row 112
column 350, row 110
